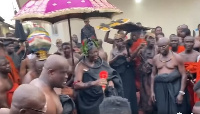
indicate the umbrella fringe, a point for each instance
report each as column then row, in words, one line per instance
column 66, row 12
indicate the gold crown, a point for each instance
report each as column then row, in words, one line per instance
column 42, row 55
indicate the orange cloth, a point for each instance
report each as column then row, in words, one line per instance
column 137, row 60
column 11, row 91
column 180, row 49
column 193, row 67
column 136, row 44
column 14, row 71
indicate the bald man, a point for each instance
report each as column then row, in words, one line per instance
column 190, row 57
column 175, row 45
column 102, row 53
column 28, row 99
column 168, row 80
column 53, row 75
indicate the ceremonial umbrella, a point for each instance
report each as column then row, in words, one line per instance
column 57, row 10
column 130, row 27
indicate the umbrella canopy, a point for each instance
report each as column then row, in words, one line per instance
column 57, row 10
column 130, row 27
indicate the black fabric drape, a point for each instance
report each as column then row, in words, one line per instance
column 127, row 74
column 167, row 87
column 88, row 100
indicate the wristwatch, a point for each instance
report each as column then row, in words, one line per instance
column 182, row 92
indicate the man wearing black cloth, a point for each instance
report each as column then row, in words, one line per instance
column 168, row 81
column 87, row 31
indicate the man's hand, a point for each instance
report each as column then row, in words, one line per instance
column 22, row 47
column 153, row 98
column 100, row 82
column 179, row 99
column 142, row 45
column 111, row 84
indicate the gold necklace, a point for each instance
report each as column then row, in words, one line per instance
column 166, row 60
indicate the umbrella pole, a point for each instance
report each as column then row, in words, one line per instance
column 70, row 35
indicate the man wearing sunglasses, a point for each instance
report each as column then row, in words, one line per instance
column 53, row 75
column 27, row 99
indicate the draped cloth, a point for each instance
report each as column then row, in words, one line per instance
column 127, row 73
column 88, row 100
column 193, row 68
column 11, row 91
column 137, row 61
column 14, row 71
column 180, row 49
column 167, row 87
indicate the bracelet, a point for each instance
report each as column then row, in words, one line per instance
column 182, row 92
column 76, row 82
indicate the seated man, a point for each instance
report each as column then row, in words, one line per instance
column 53, row 75
column 115, row 105
column 7, row 85
column 27, row 99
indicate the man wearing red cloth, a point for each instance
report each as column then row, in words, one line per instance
column 174, row 43
column 191, row 65
column 7, row 85
column 14, row 71
column 12, row 75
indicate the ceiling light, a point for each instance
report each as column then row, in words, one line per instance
column 138, row 1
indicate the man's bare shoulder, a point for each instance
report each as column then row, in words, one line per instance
column 196, row 52
column 36, row 82
column 182, row 53
column 197, row 38
column 80, row 65
column 178, row 57
column 4, row 111
column 27, row 78
column 156, row 57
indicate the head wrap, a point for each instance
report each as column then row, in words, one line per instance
column 89, row 44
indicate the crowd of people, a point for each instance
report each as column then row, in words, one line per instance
column 147, row 73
